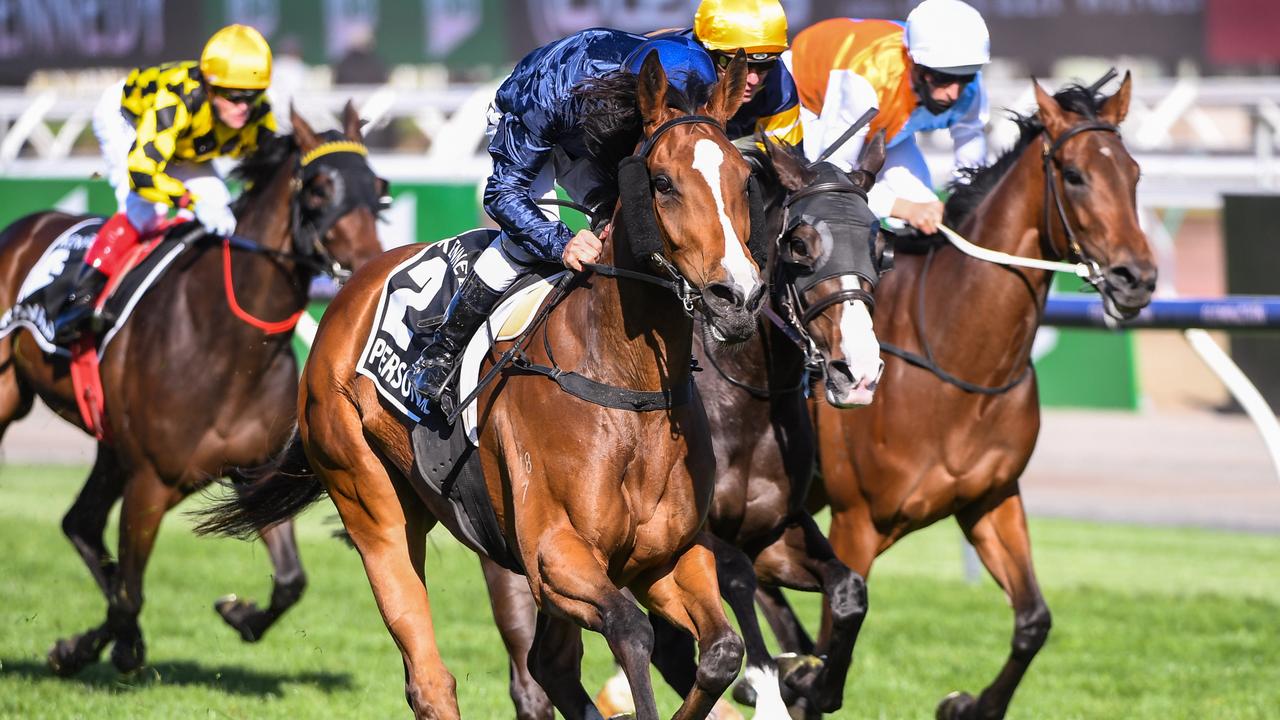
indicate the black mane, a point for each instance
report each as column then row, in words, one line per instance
column 973, row 184
column 611, row 122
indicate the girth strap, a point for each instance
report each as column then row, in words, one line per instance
column 599, row 393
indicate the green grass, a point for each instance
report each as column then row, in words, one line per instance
column 1149, row 623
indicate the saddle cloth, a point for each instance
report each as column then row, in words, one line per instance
column 45, row 289
column 413, row 300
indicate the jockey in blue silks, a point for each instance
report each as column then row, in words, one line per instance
column 536, row 124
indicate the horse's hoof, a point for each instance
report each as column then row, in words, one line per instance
column 956, row 706
column 241, row 616
column 128, row 657
column 67, row 657
column 744, row 693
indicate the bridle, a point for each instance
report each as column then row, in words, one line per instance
column 334, row 159
column 643, row 226
column 1053, row 201
column 791, row 295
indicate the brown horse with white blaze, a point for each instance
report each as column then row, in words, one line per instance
column 193, row 392
column 592, row 499
column 958, row 412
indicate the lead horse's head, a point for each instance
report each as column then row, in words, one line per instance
column 1091, row 209
column 686, row 199
column 825, row 264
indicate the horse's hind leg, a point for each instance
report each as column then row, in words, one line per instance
column 556, row 661
column 782, row 619
column 287, row 583
column 388, row 525
column 1000, row 537
column 688, row 596
column 515, row 614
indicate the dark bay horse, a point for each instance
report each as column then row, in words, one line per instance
column 192, row 392
column 591, row 498
column 929, row 448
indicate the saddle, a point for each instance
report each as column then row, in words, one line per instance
column 414, row 298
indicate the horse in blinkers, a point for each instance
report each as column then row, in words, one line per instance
column 200, row 380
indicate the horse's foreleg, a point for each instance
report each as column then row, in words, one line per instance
column 802, row 559
column 574, row 584
column 759, row 685
column 86, row 520
column 146, row 500
column 1000, row 537
column 288, row 581
column 515, row 614
column 782, row 619
column 688, row 596
column 15, row 398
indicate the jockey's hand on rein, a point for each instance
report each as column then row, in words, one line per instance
column 585, row 247
column 923, row 216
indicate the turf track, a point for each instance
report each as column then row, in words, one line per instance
column 1149, row 623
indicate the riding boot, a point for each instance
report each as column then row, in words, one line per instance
column 469, row 307
column 101, row 260
column 79, row 305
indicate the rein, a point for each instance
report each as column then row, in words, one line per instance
column 1089, row 269
column 573, row 383
column 317, row 260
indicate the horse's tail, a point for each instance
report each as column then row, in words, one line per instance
column 267, row 495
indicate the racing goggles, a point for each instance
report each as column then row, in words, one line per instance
column 239, row 97
column 937, row 78
column 758, row 61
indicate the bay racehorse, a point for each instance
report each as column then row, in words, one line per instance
column 591, row 498
column 824, row 260
column 192, row 391
column 958, row 412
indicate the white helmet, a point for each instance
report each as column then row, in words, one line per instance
column 949, row 36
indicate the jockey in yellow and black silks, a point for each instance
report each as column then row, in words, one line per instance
column 159, row 129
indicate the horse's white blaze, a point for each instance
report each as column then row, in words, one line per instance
column 707, row 159
column 857, row 338
column 769, row 704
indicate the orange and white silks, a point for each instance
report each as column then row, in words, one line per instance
column 873, row 49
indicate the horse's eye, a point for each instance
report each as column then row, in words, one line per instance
column 662, row 184
column 799, row 249
column 1072, row 176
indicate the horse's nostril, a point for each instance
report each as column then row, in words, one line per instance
column 726, row 294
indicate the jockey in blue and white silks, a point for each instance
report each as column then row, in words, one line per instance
column 536, row 125
column 921, row 75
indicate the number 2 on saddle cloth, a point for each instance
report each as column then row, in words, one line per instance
column 85, row 378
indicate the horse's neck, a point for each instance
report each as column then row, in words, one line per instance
column 989, row 312
column 269, row 288
column 633, row 334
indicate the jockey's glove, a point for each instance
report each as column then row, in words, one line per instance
column 216, row 218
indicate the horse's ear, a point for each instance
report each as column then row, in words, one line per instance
column 870, row 160
column 1051, row 113
column 791, row 170
column 651, row 90
column 351, row 122
column 302, row 132
column 1117, row 106
column 726, row 96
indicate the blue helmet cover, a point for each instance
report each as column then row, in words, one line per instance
column 684, row 60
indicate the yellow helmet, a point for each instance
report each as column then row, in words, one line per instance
column 752, row 25
column 237, row 56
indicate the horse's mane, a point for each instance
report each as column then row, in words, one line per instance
column 973, row 184
column 256, row 170
column 762, row 167
column 611, row 122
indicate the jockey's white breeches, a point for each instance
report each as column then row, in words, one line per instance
column 116, row 136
